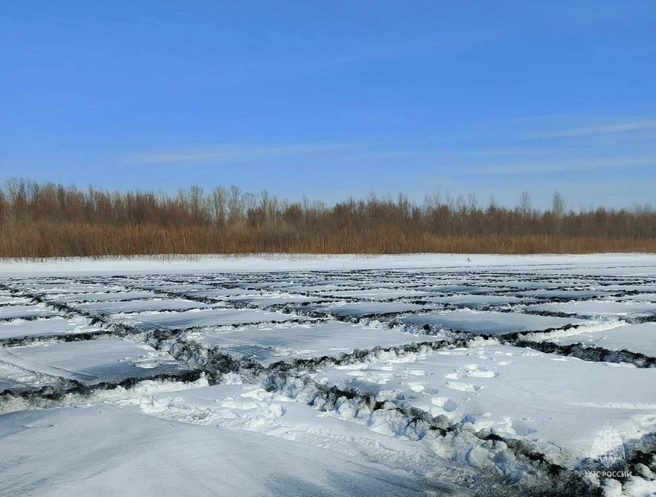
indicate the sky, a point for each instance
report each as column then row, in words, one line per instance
column 334, row 98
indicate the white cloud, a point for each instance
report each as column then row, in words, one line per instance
column 229, row 154
column 566, row 165
column 605, row 129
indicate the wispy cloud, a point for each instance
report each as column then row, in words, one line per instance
column 231, row 154
column 511, row 151
column 568, row 165
column 398, row 154
column 605, row 129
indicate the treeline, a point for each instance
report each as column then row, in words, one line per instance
column 50, row 220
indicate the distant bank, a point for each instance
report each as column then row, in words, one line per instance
column 49, row 220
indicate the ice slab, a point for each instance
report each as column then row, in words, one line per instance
column 487, row 323
column 573, row 294
column 478, row 301
column 106, row 451
column 26, row 311
column 142, row 305
column 277, row 299
column 304, row 341
column 55, row 326
column 558, row 403
column 640, row 338
column 373, row 294
column 600, row 308
column 362, row 309
column 205, row 318
column 106, row 296
column 90, row 362
column 8, row 300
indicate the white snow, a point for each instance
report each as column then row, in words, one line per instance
column 486, row 322
column 106, row 451
column 52, row 326
column 477, row 301
column 393, row 419
column 26, row 311
column 105, row 296
column 360, row 309
column 205, row 318
column 142, row 305
column 600, row 308
column 604, row 264
column 90, row 362
column 277, row 298
column 558, row 403
column 267, row 345
column 374, row 294
column 639, row 338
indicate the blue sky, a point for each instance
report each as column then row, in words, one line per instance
column 334, row 98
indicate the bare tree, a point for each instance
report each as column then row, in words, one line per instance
column 557, row 205
column 525, row 206
column 40, row 220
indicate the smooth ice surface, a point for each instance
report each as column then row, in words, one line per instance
column 105, row 296
column 206, row 318
column 374, row 294
column 361, row 309
column 222, row 293
column 143, row 305
column 26, row 311
column 563, row 265
column 478, row 301
column 106, row 359
column 641, row 297
column 486, row 323
column 60, row 287
column 6, row 299
column 567, row 294
column 277, row 299
column 304, row 341
column 45, row 327
column 639, row 338
column 624, row 308
column 110, row 451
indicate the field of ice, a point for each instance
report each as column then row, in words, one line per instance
column 382, row 376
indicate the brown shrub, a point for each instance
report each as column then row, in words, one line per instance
column 52, row 220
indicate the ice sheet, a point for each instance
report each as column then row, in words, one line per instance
column 90, row 362
column 600, row 308
column 107, row 451
column 558, row 403
column 486, row 323
column 639, row 338
column 26, row 311
column 304, row 341
column 46, row 327
column 206, row 318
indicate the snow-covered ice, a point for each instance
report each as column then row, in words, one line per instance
column 558, row 403
column 625, row 308
column 360, row 309
column 205, row 318
column 155, row 304
column 26, row 311
column 640, row 338
column 272, row 344
column 52, row 326
column 337, row 375
column 104, row 450
column 486, row 322
column 89, row 362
